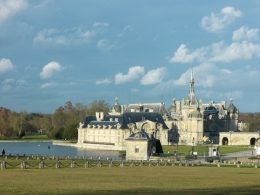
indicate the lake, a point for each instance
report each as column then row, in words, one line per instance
column 41, row 148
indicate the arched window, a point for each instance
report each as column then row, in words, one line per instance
column 225, row 141
column 252, row 141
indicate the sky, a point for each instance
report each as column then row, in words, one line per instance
column 55, row 51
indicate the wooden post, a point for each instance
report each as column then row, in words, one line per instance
column 111, row 163
column 99, row 163
column 122, row 163
column 72, row 164
column 57, row 164
column 86, row 164
column 41, row 165
column 3, row 164
column 23, row 165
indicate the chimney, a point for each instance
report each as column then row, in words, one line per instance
column 178, row 106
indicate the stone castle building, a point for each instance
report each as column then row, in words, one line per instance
column 186, row 122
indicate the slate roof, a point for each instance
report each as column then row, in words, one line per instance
column 136, row 117
column 157, row 107
column 140, row 135
column 125, row 119
column 87, row 120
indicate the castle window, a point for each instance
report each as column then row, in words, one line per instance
column 136, row 149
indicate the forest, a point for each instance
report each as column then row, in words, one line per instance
column 63, row 123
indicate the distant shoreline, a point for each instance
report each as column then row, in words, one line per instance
column 54, row 141
column 26, row 140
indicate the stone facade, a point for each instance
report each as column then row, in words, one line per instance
column 238, row 138
column 140, row 146
column 186, row 122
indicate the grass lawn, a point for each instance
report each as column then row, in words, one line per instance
column 35, row 137
column 232, row 149
column 131, row 180
column 186, row 150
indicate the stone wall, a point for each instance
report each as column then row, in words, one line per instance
column 238, row 138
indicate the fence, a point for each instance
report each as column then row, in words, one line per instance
column 88, row 164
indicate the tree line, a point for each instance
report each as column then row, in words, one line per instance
column 252, row 121
column 62, row 124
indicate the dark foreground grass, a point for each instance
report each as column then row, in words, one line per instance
column 131, row 180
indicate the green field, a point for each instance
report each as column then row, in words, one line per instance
column 131, row 180
column 186, row 150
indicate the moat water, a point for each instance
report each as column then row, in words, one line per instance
column 47, row 148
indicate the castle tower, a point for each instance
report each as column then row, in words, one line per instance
column 233, row 116
column 192, row 97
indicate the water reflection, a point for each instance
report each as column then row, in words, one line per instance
column 47, row 148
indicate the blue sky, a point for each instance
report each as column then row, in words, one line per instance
column 55, row 51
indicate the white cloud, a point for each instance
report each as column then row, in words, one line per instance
column 134, row 90
column 218, row 52
column 158, row 90
column 104, row 45
column 48, row 85
column 222, row 95
column 72, row 83
column 217, row 22
column 5, row 65
column 126, row 29
column 235, row 51
column 203, row 73
column 12, row 81
column 133, row 73
column 183, row 55
column 154, row 76
column 50, row 69
column 208, row 75
column 43, row 4
column 8, row 81
column 9, row 8
column 64, row 37
column 244, row 33
column 98, row 24
column 103, row 81
column 21, row 82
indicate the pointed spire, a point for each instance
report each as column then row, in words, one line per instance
column 191, row 82
column 116, row 101
column 192, row 97
column 173, row 101
column 231, row 100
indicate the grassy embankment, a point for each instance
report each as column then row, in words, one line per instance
column 131, row 180
column 36, row 137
